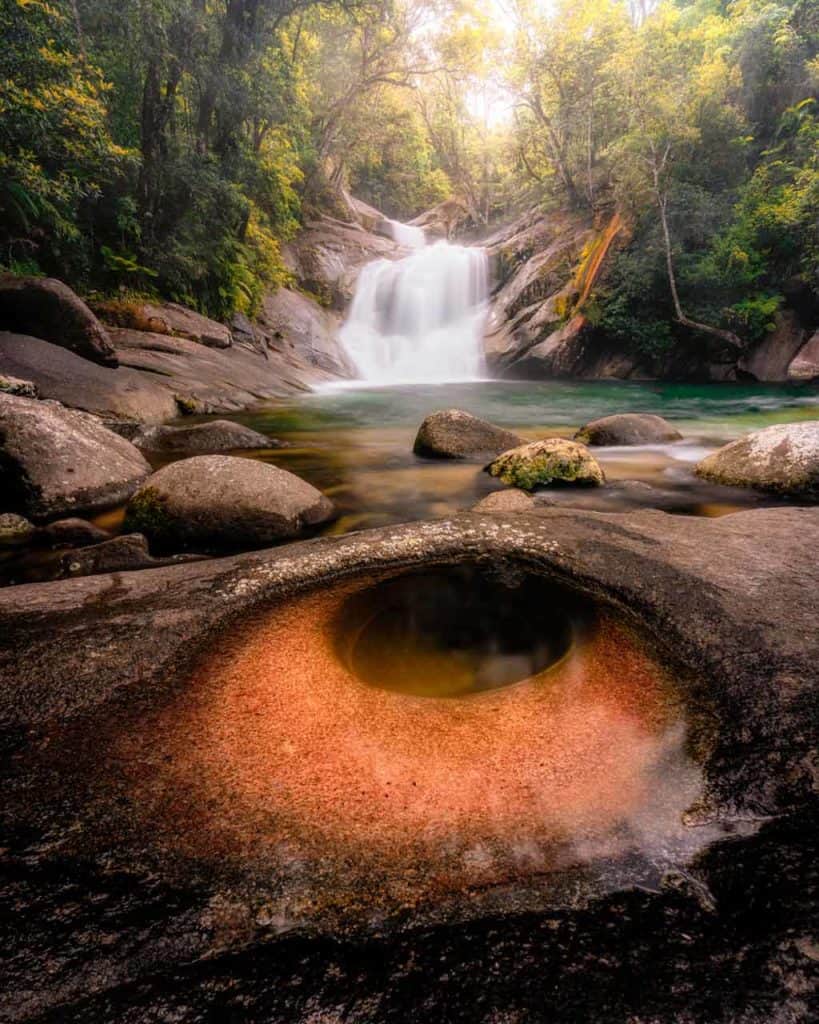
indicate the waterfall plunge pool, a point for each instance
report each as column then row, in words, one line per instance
column 355, row 442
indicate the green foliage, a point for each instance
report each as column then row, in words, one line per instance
column 170, row 147
column 56, row 152
column 754, row 315
column 392, row 163
column 634, row 310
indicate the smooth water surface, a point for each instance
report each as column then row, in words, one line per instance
column 456, row 632
column 355, row 443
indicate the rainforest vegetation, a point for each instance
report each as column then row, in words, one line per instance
column 172, row 146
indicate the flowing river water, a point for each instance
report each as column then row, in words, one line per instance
column 355, row 442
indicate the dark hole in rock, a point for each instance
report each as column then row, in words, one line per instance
column 456, row 631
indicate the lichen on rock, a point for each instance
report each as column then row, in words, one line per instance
column 783, row 459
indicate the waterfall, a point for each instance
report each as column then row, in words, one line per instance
column 407, row 235
column 421, row 318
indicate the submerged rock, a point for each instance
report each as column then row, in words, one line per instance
column 542, row 463
column 119, row 554
column 72, row 533
column 783, row 459
column 220, row 501
column 502, row 502
column 627, row 428
column 216, row 436
column 55, row 460
column 455, row 434
column 48, row 309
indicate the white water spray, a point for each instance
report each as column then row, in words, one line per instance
column 421, row 318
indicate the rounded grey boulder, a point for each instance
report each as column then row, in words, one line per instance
column 56, row 461
column 46, row 308
column 628, row 428
column 216, row 436
column 455, row 434
column 783, row 459
column 220, row 501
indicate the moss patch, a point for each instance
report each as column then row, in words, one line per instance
column 547, row 462
column 146, row 514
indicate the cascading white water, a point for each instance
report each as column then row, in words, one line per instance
column 407, row 235
column 421, row 318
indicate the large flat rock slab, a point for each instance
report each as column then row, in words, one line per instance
column 108, row 694
column 67, row 377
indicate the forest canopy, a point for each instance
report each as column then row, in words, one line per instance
column 172, row 146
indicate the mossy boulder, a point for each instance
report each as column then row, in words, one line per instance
column 543, row 463
column 15, row 530
column 783, row 459
column 218, row 502
column 628, row 428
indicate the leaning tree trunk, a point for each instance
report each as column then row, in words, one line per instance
column 727, row 336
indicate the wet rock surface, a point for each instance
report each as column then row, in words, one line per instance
column 219, row 501
column 48, row 309
column 783, row 459
column 55, row 460
column 628, row 429
column 303, row 326
column 112, row 924
column 455, row 434
column 215, row 436
column 72, row 532
column 327, row 256
column 501, row 502
column 542, row 463
column 66, row 377
column 163, row 359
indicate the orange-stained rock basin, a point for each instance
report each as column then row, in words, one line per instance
column 276, row 758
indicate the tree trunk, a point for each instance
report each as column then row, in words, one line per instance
column 727, row 336
column 157, row 109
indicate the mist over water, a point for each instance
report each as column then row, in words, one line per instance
column 420, row 318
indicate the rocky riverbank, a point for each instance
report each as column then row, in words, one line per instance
column 542, row 320
column 147, row 362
